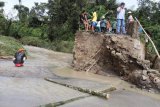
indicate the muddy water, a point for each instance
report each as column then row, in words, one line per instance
column 110, row 79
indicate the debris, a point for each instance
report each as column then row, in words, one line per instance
column 114, row 53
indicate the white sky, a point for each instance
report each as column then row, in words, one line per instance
column 132, row 4
column 9, row 4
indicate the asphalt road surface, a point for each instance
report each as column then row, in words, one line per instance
column 26, row 86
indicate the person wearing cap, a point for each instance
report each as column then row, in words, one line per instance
column 19, row 57
column 121, row 19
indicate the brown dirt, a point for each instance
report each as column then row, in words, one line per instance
column 109, row 53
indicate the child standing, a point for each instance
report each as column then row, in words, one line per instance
column 103, row 24
column 98, row 26
column 109, row 27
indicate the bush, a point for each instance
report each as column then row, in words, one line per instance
column 155, row 35
column 64, row 46
column 20, row 31
column 33, row 41
column 8, row 46
column 61, row 46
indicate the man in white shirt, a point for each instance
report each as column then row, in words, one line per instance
column 121, row 19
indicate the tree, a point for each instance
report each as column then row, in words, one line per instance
column 23, row 12
column 148, row 13
column 64, row 17
column 2, row 4
column 38, row 15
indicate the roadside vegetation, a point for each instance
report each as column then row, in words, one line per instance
column 8, row 46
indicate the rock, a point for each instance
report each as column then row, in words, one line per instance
column 156, row 80
column 152, row 71
column 144, row 78
column 113, row 52
column 158, row 85
column 144, row 72
column 107, row 96
column 132, row 29
column 133, row 86
column 157, row 64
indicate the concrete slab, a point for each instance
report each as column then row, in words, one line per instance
column 117, row 99
column 82, row 83
column 31, row 92
column 124, row 98
column 88, row 102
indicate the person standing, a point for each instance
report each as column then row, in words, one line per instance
column 130, row 18
column 98, row 26
column 84, row 20
column 103, row 24
column 130, row 23
column 94, row 20
column 121, row 19
column 109, row 27
column 114, row 25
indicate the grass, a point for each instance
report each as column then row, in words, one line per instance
column 8, row 46
column 60, row 46
column 64, row 46
column 33, row 41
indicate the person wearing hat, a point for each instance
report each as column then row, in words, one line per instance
column 121, row 19
column 130, row 23
column 130, row 18
column 19, row 57
column 103, row 24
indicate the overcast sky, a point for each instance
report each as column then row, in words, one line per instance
column 9, row 4
column 132, row 4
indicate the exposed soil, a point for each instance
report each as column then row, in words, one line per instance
column 110, row 53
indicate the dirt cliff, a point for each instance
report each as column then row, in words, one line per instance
column 109, row 53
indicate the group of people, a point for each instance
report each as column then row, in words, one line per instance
column 104, row 24
column 98, row 25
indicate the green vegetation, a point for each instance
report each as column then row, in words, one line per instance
column 8, row 46
column 53, row 25
column 148, row 13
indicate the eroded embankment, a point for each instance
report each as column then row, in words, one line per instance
column 103, row 53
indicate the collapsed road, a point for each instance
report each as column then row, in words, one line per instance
column 27, row 86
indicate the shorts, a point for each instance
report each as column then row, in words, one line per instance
column 94, row 24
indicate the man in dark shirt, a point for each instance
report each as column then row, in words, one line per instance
column 19, row 57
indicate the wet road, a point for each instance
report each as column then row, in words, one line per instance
column 26, row 87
